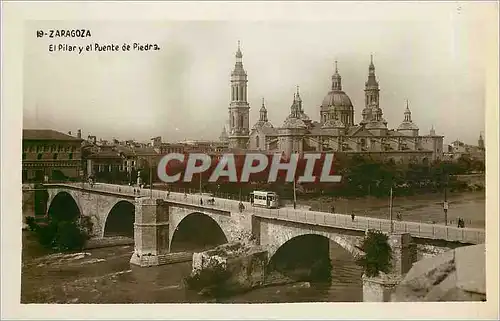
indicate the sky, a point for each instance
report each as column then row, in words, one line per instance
column 182, row 91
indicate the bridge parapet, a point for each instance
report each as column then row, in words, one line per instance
column 342, row 221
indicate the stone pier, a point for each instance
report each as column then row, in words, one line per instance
column 380, row 288
column 151, row 232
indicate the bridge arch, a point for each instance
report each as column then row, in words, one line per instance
column 280, row 239
column 197, row 232
column 309, row 255
column 64, row 207
column 120, row 220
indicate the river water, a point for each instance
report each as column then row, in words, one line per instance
column 105, row 276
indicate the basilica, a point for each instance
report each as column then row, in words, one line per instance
column 336, row 130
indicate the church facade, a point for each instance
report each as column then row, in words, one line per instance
column 336, row 130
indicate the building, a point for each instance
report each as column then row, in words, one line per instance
column 458, row 149
column 239, row 108
column 48, row 154
column 336, row 129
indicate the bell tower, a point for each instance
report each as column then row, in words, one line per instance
column 372, row 91
column 239, row 122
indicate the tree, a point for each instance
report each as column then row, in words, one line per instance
column 378, row 254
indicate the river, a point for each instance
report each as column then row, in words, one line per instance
column 105, row 276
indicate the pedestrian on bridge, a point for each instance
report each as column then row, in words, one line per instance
column 352, row 217
column 201, row 201
column 333, row 208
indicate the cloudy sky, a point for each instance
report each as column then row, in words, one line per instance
column 182, row 91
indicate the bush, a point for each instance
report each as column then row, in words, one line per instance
column 69, row 236
column 378, row 254
column 46, row 234
column 63, row 235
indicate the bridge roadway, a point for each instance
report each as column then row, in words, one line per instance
column 335, row 220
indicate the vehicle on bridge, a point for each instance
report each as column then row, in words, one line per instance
column 264, row 199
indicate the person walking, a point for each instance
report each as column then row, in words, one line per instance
column 352, row 217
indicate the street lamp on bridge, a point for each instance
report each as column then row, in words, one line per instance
column 445, row 203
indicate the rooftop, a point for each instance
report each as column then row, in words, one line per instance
column 47, row 134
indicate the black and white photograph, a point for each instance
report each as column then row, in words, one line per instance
column 253, row 153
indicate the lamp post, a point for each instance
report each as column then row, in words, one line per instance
column 445, row 203
column 150, row 178
column 294, row 195
column 390, row 211
column 201, row 193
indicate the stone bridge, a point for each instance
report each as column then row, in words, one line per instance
column 160, row 222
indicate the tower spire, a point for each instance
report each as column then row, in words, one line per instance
column 239, row 55
column 298, row 95
column 336, row 79
column 371, row 88
column 371, row 68
column 239, row 106
column 407, row 113
column 263, row 112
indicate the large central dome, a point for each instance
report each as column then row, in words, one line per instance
column 336, row 98
column 337, row 105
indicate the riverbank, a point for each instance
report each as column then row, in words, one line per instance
column 104, row 275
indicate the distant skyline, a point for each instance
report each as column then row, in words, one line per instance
column 182, row 91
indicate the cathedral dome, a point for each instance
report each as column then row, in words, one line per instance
column 336, row 98
column 333, row 123
column 292, row 122
column 263, row 124
column 407, row 126
column 407, row 123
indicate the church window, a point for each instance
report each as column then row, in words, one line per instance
column 55, row 156
column 257, row 141
column 39, row 156
column 241, row 121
